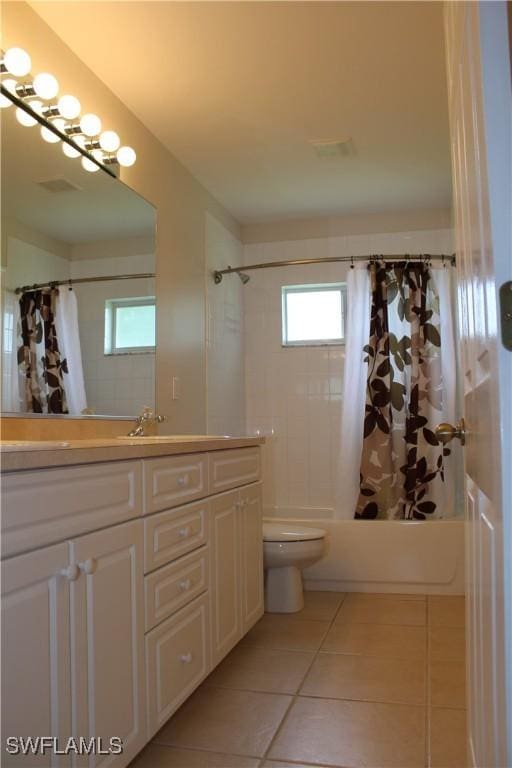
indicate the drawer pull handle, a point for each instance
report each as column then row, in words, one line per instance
column 184, row 532
column 186, row 658
column 89, row 566
column 72, row 572
column 183, row 480
column 185, row 584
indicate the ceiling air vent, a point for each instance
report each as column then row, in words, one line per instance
column 333, row 147
column 58, row 185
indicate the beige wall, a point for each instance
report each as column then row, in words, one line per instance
column 355, row 224
column 181, row 202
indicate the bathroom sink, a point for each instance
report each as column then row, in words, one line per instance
column 32, row 445
column 171, row 438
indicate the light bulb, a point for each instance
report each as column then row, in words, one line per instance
column 17, row 62
column 46, row 86
column 90, row 125
column 24, row 118
column 109, row 141
column 70, row 151
column 88, row 165
column 9, row 85
column 36, row 105
column 49, row 136
column 126, row 156
column 69, row 107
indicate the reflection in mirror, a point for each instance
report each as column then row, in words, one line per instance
column 85, row 347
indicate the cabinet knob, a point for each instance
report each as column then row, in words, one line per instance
column 72, row 572
column 185, row 584
column 186, row 658
column 182, row 480
column 184, row 532
column 89, row 566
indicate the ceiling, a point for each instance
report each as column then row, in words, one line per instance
column 98, row 207
column 237, row 90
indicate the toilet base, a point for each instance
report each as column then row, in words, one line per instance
column 283, row 590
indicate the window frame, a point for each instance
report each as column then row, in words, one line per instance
column 312, row 288
column 111, row 307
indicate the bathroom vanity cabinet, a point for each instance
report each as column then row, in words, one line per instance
column 123, row 584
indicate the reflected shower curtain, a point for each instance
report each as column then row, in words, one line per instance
column 39, row 357
column 382, row 476
column 49, row 357
column 66, row 322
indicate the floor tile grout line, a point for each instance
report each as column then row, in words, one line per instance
column 296, row 695
column 300, row 695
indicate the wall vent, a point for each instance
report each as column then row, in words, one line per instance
column 58, row 185
column 333, row 147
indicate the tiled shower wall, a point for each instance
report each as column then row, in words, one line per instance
column 224, row 334
column 293, row 395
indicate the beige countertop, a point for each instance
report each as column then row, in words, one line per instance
column 22, row 455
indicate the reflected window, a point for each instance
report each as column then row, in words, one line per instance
column 314, row 314
column 130, row 325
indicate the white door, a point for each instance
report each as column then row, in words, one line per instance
column 251, row 560
column 480, row 101
column 225, row 573
column 107, row 641
column 35, row 651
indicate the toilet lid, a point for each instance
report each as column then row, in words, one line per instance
column 290, row 532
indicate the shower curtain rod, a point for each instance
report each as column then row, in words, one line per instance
column 75, row 281
column 219, row 273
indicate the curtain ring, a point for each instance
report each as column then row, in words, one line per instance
column 70, row 285
column 351, row 262
column 442, row 261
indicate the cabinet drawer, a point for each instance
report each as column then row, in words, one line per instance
column 174, row 480
column 177, row 660
column 173, row 586
column 229, row 469
column 50, row 505
column 171, row 534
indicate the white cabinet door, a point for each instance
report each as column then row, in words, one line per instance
column 226, row 622
column 35, row 651
column 251, row 560
column 177, row 660
column 107, row 641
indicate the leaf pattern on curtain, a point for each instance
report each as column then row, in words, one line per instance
column 39, row 358
column 401, row 455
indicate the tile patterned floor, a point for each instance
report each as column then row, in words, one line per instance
column 355, row 681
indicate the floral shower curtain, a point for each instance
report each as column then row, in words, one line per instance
column 402, row 459
column 39, row 357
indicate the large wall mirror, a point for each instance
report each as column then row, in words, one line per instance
column 61, row 223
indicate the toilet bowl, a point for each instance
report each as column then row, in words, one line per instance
column 287, row 549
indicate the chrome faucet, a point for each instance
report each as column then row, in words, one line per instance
column 148, row 416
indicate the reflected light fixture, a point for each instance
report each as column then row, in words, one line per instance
column 88, row 140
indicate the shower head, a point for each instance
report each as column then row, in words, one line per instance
column 243, row 277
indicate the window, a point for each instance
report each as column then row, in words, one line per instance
column 314, row 314
column 129, row 325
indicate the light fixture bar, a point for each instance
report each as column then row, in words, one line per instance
column 48, row 124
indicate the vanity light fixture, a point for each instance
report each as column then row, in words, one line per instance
column 60, row 121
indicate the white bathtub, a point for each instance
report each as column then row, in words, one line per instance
column 388, row 556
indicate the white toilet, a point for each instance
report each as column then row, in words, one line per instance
column 287, row 548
